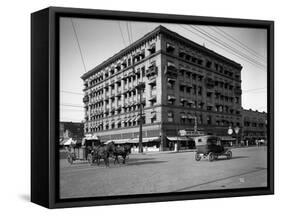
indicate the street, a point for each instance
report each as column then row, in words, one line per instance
column 164, row 172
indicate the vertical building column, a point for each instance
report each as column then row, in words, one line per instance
column 122, row 95
column 110, row 91
column 115, row 101
column 104, row 107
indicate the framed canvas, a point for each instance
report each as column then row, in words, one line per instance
column 138, row 107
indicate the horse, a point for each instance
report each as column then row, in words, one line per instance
column 122, row 151
column 102, row 152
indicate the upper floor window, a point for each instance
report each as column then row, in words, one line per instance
column 170, row 116
column 152, row 48
column 208, row 64
column 170, row 47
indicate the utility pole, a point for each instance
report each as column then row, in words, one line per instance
column 140, row 88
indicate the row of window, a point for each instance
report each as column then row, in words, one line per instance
column 121, row 65
column 170, row 48
column 253, row 124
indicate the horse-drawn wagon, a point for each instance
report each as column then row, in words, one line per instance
column 82, row 151
column 211, row 147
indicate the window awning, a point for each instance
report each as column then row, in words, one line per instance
column 171, row 64
column 171, row 97
column 145, row 140
column 132, row 119
column 183, row 99
column 153, row 97
column 119, row 141
column 170, row 46
column 171, row 80
column 189, row 116
column 209, row 104
column 137, row 118
column 184, row 116
column 190, row 101
column 183, row 69
column 179, row 138
column 227, row 138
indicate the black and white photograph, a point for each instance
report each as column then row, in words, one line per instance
column 150, row 107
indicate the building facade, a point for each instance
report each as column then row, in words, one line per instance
column 187, row 86
column 254, row 126
column 73, row 130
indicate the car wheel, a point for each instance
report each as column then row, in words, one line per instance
column 228, row 154
column 197, row 157
column 211, row 156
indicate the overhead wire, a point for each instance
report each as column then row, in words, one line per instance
column 244, row 46
column 119, row 24
column 79, row 47
column 216, row 44
column 207, row 34
column 128, row 32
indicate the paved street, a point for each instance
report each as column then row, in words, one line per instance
column 164, row 172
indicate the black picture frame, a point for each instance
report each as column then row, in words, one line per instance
column 45, row 108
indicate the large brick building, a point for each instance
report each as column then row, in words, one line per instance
column 184, row 82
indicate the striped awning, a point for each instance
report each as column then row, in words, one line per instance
column 137, row 118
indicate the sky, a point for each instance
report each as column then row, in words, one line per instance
column 93, row 40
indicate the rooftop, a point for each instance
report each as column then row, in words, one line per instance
column 157, row 30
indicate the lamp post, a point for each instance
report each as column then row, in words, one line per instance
column 230, row 132
column 140, row 87
column 236, row 130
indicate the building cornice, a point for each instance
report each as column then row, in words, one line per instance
column 159, row 30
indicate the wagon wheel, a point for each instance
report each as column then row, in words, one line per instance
column 70, row 159
column 211, row 156
column 229, row 154
column 90, row 159
column 197, row 157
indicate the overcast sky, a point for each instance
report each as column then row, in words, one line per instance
column 100, row 39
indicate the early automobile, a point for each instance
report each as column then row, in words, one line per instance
column 210, row 147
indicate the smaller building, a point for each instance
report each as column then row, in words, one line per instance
column 74, row 130
column 254, row 128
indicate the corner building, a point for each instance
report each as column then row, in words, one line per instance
column 186, row 84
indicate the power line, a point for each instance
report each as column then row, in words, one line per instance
column 121, row 33
column 71, row 105
column 222, row 47
column 80, row 50
column 128, row 32
column 242, row 44
column 249, row 90
column 131, row 31
column 71, row 92
column 237, row 44
column 72, row 110
column 226, row 45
